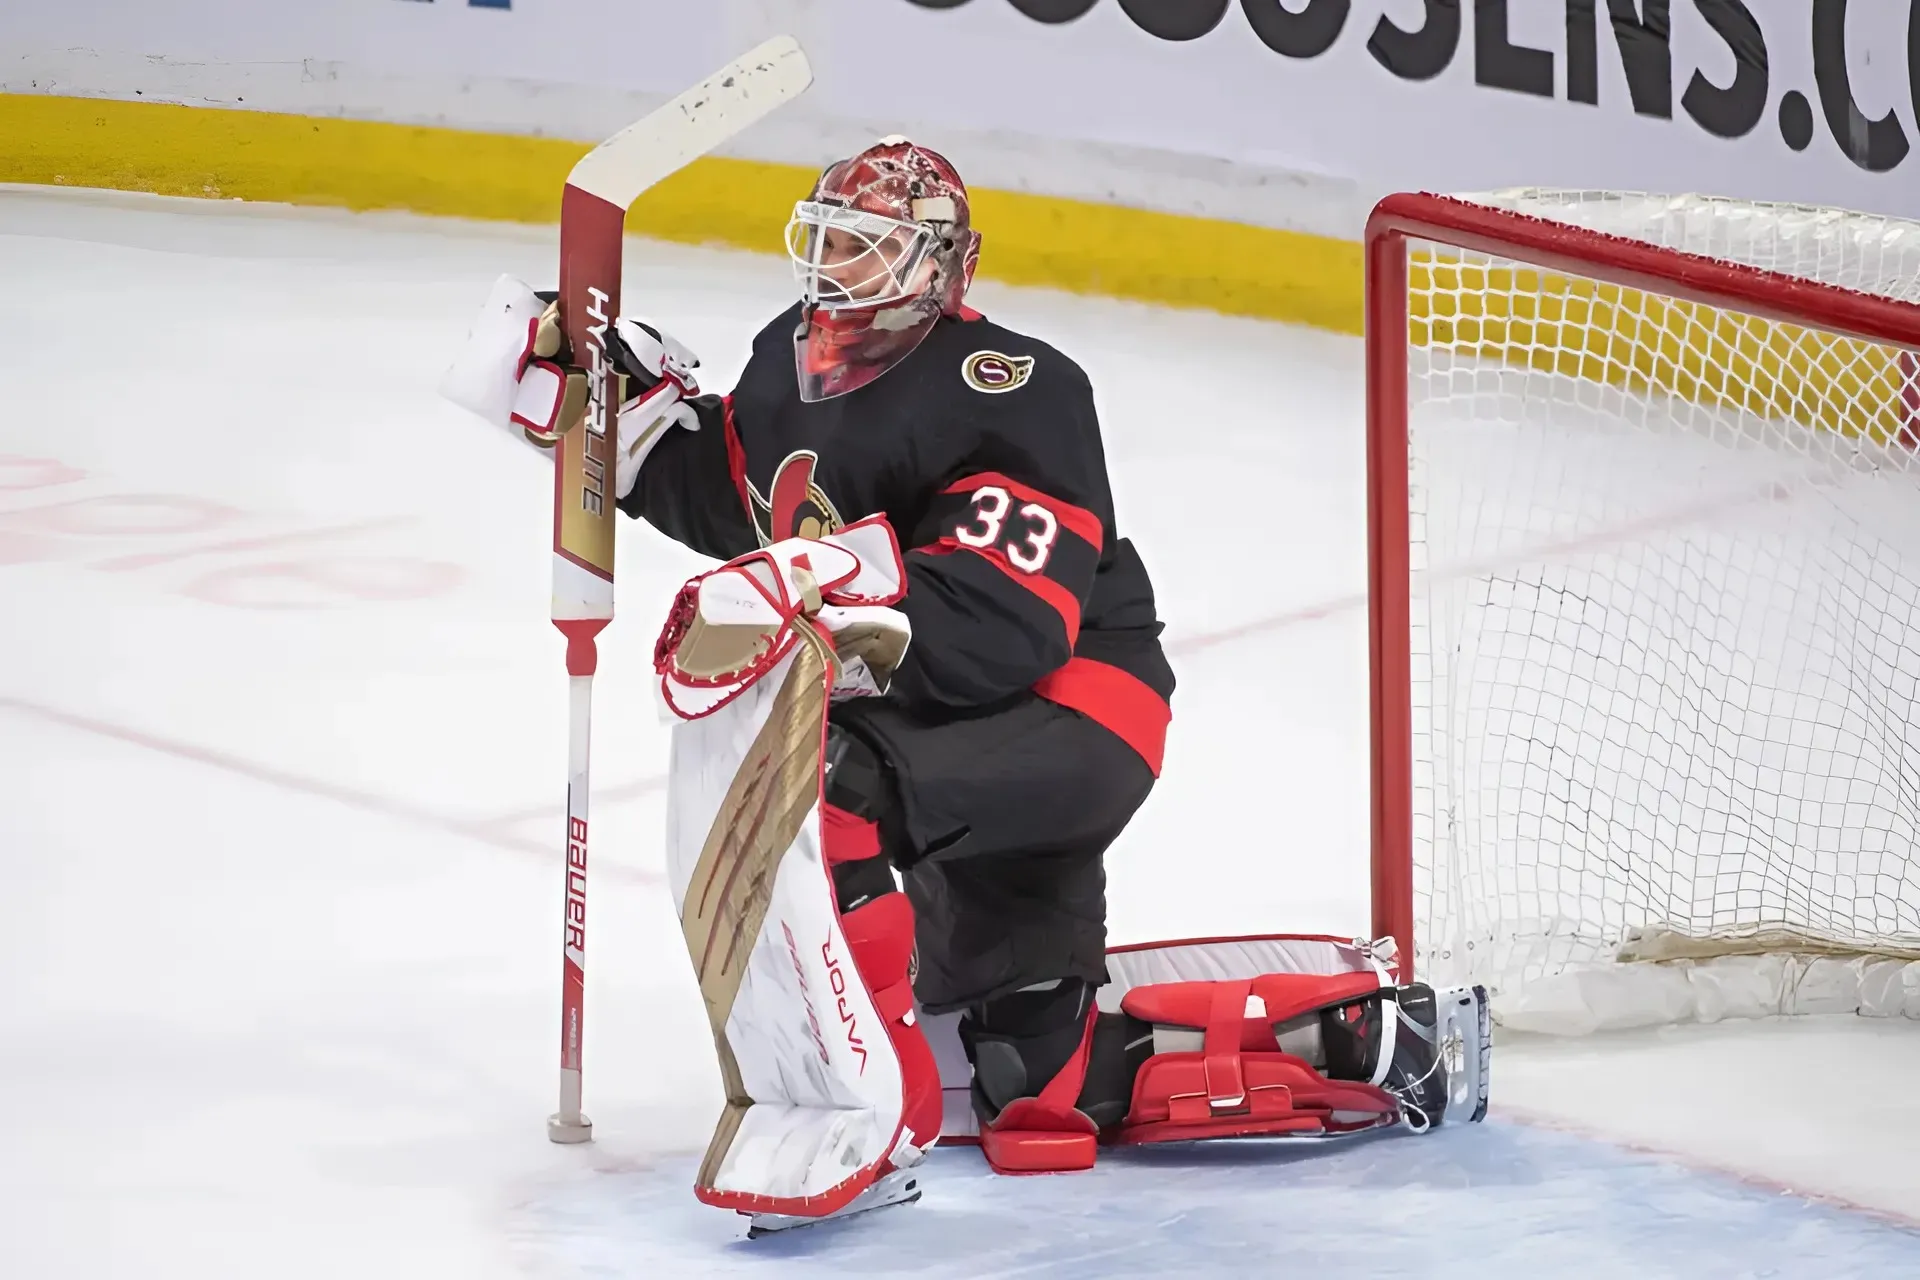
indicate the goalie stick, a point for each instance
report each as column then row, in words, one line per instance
column 593, row 212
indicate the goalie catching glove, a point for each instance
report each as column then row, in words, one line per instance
column 515, row 371
column 728, row 628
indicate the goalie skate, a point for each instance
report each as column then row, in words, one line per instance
column 902, row 1186
column 1464, row 1028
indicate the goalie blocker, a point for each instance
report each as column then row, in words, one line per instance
column 803, row 945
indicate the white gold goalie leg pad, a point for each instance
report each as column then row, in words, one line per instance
column 902, row 1186
column 1464, row 1025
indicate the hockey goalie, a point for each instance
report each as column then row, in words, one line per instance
column 917, row 700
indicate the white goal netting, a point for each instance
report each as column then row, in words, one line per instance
column 1665, row 602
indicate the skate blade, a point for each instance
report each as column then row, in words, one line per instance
column 1466, row 1037
column 902, row 1186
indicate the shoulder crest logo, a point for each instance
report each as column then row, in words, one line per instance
column 993, row 373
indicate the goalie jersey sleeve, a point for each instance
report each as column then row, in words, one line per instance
column 1017, row 578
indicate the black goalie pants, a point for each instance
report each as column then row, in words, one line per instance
column 1000, row 823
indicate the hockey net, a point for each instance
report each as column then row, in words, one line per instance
column 1645, row 533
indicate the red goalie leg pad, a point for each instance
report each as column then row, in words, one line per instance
column 1263, row 1001
column 880, row 937
column 1241, row 1083
column 1048, row 1133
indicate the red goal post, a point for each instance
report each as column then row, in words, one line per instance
column 1530, row 242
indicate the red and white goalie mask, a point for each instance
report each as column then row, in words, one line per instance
column 881, row 250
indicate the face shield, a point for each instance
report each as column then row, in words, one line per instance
column 845, row 258
column 866, row 282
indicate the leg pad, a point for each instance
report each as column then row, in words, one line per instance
column 1240, row 1083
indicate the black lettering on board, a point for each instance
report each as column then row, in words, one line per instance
column 1498, row 63
column 1874, row 145
column 1733, row 111
column 1425, row 53
column 1306, row 34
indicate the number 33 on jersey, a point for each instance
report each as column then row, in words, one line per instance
column 1047, row 546
column 992, row 503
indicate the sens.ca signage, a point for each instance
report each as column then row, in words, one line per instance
column 1780, row 95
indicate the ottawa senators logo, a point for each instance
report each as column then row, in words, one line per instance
column 795, row 507
column 993, row 373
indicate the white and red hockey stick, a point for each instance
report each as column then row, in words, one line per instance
column 593, row 214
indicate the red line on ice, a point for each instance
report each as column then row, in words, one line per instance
column 484, row 831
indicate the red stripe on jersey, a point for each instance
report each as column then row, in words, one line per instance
column 1082, row 521
column 1121, row 702
column 1061, row 600
column 736, row 459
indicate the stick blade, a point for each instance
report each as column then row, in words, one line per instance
column 702, row 118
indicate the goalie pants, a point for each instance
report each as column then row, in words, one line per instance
column 1001, row 824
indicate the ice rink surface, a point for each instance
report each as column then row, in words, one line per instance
column 281, row 763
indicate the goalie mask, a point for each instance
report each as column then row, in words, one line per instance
column 881, row 250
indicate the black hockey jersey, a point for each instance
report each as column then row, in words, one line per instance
column 982, row 450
